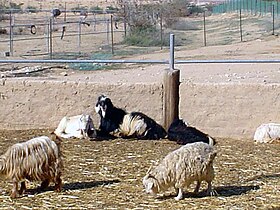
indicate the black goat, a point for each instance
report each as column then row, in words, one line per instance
column 118, row 123
column 183, row 134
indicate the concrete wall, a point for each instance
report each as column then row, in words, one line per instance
column 222, row 110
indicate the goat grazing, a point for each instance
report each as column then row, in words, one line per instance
column 118, row 123
column 79, row 126
column 38, row 159
column 267, row 133
column 192, row 162
column 182, row 133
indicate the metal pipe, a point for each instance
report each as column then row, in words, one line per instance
column 171, row 48
column 144, row 61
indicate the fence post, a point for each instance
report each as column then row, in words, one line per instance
column 161, row 31
column 11, row 34
column 50, row 42
column 79, row 35
column 171, row 90
column 273, row 19
column 112, row 34
column 107, row 31
column 65, row 12
column 204, row 28
column 240, row 25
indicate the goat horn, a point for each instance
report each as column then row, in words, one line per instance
column 149, row 170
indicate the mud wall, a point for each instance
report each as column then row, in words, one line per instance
column 222, row 110
column 230, row 110
column 39, row 104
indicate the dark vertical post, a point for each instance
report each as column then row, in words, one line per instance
column 240, row 25
column 112, row 34
column 108, row 31
column 50, row 30
column 124, row 20
column 65, row 12
column 161, row 31
column 204, row 28
column 273, row 19
column 171, row 90
column 79, row 36
column 11, row 33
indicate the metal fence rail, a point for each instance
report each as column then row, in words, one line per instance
column 171, row 60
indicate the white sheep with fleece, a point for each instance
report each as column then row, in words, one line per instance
column 191, row 162
column 267, row 133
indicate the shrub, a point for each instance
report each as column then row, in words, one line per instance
column 145, row 37
column 110, row 9
column 31, row 9
column 96, row 10
column 78, row 9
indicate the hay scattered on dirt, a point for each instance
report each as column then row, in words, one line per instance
column 108, row 175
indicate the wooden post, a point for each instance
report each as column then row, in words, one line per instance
column 171, row 82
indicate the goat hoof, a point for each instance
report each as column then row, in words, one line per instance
column 13, row 195
column 178, row 198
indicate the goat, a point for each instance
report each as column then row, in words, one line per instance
column 267, row 133
column 182, row 133
column 38, row 159
column 118, row 123
column 192, row 162
column 79, row 126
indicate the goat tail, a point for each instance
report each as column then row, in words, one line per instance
column 212, row 141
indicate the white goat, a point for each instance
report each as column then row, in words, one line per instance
column 192, row 162
column 267, row 133
column 38, row 159
column 80, row 126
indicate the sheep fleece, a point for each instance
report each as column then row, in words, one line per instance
column 192, row 162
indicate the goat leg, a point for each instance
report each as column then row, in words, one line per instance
column 180, row 194
column 22, row 188
column 14, row 193
column 45, row 184
column 197, row 187
column 58, row 184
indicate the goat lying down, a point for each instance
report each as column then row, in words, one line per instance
column 118, row 123
column 79, row 126
column 182, row 133
column 267, row 133
column 192, row 162
column 38, row 159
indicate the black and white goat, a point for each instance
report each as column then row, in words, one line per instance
column 118, row 123
column 182, row 133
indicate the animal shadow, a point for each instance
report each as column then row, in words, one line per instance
column 87, row 185
column 228, row 191
column 225, row 191
column 73, row 186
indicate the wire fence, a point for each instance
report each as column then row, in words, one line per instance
column 257, row 7
column 50, row 35
column 40, row 35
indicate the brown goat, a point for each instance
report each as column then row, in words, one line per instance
column 38, row 159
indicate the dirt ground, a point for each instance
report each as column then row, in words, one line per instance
column 108, row 175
